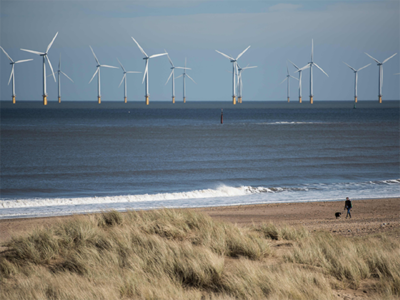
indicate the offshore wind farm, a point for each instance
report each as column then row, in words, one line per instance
column 79, row 154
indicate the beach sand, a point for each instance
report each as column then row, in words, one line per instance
column 368, row 217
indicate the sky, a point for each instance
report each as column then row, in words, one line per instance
column 277, row 31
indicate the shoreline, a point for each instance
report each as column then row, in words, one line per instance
column 368, row 216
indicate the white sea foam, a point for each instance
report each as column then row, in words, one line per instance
column 222, row 191
column 220, row 196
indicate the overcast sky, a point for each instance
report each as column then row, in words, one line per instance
column 276, row 31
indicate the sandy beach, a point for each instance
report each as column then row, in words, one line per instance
column 368, row 216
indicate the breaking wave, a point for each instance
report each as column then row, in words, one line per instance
column 222, row 191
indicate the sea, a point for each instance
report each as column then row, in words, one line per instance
column 84, row 157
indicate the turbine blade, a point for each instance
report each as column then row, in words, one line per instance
column 294, row 65
column 146, row 69
column 107, row 66
column 182, row 68
column 94, row 55
column 363, row 67
column 231, row 58
column 170, row 61
column 123, row 77
column 283, row 80
column 6, row 54
column 140, row 48
column 252, row 67
column 350, row 67
column 172, row 72
column 242, row 53
column 321, row 69
column 303, row 68
column 51, row 43
column 133, row 72
column 24, row 60
column 34, row 52
column 191, row 78
column 377, row 61
column 178, row 76
column 121, row 65
column 312, row 49
column 293, row 77
column 66, row 76
column 157, row 55
column 94, row 75
column 11, row 75
column 51, row 68
column 388, row 58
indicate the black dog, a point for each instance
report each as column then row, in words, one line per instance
column 337, row 215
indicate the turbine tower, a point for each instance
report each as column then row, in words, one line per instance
column 59, row 81
column 184, row 82
column 124, row 79
column 12, row 75
column 234, row 71
column 355, row 80
column 300, row 77
column 44, row 55
column 146, row 70
column 288, row 83
column 98, row 75
column 173, row 77
column 380, row 82
column 310, row 65
column 240, row 82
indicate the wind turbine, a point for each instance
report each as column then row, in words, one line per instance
column 124, row 78
column 234, row 71
column 240, row 82
column 146, row 70
column 310, row 65
column 380, row 83
column 355, row 81
column 173, row 77
column 300, row 76
column 59, row 81
column 288, row 83
column 184, row 82
column 98, row 75
column 12, row 75
column 44, row 55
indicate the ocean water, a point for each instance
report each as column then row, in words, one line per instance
column 83, row 157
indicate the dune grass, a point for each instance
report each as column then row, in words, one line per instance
column 180, row 254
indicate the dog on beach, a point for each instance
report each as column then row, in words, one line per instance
column 337, row 214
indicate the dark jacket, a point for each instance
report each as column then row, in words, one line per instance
column 348, row 204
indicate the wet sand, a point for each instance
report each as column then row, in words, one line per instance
column 368, row 216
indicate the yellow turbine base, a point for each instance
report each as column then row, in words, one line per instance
column 288, row 99
column 239, row 99
column 147, row 100
column 173, row 100
column 380, row 99
column 13, row 99
column 234, row 100
column 44, row 99
column 311, row 100
column 99, row 99
column 355, row 99
column 299, row 99
column 126, row 101
column 59, row 99
column 184, row 100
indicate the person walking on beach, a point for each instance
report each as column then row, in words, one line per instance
column 348, row 206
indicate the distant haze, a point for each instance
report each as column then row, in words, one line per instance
column 276, row 31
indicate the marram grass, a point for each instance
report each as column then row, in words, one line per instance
column 180, row 254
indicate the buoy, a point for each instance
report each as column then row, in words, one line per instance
column 222, row 115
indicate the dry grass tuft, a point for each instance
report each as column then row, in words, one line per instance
column 180, row 254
